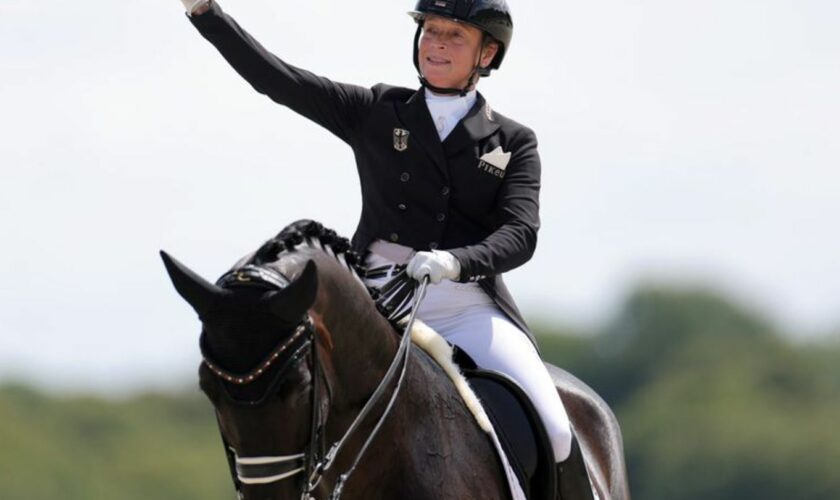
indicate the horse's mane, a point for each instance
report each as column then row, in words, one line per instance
column 306, row 233
column 311, row 234
column 392, row 300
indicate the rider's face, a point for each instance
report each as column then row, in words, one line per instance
column 449, row 52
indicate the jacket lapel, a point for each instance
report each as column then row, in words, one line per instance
column 416, row 118
column 478, row 124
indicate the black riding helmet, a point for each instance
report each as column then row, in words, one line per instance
column 492, row 17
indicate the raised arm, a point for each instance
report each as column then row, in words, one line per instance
column 337, row 107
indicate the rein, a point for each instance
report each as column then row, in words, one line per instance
column 312, row 463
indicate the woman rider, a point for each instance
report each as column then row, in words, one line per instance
column 449, row 186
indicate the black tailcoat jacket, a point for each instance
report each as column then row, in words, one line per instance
column 476, row 194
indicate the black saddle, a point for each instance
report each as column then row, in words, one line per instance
column 518, row 426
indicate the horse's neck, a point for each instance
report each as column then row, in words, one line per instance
column 358, row 340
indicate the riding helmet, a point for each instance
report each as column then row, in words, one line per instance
column 490, row 16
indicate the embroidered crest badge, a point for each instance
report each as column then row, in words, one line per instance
column 401, row 139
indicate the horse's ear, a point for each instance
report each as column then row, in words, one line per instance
column 290, row 303
column 193, row 288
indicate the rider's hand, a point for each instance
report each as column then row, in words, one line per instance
column 196, row 6
column 437, row 265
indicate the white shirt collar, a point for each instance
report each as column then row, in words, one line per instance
column 448, row 110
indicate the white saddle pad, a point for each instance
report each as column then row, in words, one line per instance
column 436, row 347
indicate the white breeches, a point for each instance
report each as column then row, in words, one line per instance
column 466, row 317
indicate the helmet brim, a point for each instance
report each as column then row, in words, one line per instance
column 421, row 16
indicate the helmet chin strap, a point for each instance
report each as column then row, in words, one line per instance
column 442, row 90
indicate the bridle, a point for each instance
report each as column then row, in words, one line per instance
column 314, row 462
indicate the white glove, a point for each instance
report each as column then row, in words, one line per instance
column 437, row 265
column 192, row 5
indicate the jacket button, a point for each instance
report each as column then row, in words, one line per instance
column 433, row 245
column 405, row 177
column 441, row 217
column 402, row 207
column 445, row 191
column 395, row 237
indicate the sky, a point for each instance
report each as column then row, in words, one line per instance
column 682, row 142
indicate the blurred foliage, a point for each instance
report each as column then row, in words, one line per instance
column 80, row 448
column 714, row 403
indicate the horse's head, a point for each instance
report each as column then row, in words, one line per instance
column 269, row 345
column 256, row 342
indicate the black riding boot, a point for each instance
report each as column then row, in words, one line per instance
column 572, row 478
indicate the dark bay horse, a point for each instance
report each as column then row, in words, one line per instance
column 299, row 365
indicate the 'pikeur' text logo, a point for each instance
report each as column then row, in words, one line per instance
column 495, row 162
column 490, row 169
column 401, row 139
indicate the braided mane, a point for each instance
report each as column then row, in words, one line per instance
column 391, row 300
column 313, row 234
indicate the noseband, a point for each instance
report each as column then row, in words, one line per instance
column 313, row 463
